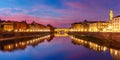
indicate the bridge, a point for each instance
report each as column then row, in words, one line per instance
column 58, row 30
column 61, row 31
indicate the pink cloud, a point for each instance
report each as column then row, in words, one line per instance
column 75, row 4
column 45, row 21
column 29, row 19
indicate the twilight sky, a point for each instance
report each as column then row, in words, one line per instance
column 59, row 13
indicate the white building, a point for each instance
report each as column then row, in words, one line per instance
column 115, row 23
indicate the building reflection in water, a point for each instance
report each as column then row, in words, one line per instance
column 59, row 35
column 115, row 53
column 88, row 44
column 17, row 45
column 34, row 41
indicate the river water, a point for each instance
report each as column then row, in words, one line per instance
column 56, row 47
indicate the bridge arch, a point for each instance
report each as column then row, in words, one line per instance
column 58, row 30
column 61, row 32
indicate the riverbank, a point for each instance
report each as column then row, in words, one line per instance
column 103, row 35
column 104, row 42
column 12, row 36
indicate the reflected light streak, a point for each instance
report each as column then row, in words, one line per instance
column 20, row 45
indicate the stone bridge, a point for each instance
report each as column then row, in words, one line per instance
column 61, row 30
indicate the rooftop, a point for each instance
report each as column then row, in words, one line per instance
column 117, row 16
column 96, row 21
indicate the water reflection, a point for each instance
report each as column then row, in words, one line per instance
column 60, row 34
column 95, row 45
column 115, row 53
column 21, row 44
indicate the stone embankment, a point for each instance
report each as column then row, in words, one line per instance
column 103, row 35
column 17, row 35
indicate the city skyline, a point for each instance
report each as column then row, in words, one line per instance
column 59, row 13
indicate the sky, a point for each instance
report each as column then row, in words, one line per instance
column 59, row 13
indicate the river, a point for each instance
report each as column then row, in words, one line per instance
column 56, row 47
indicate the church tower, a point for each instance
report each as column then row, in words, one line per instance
column 111, row 15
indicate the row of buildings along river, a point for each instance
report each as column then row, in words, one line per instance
column 112, row 25
column 23, row 26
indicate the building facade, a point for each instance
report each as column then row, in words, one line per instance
column 90, row 26
column 115, row 24
column 7, row 26
column 21, row 26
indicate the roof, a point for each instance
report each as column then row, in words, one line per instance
column 116, row 16
column 77, row 23
column 96, row 21
column 90, row 22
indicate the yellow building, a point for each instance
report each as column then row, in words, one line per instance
column 115, row 24
column 8, row 26
column 93, row 27
column 111, row 15
column 77, row 27
column 102, row 26
column 109, row 28
column 98, row 26
column 90, row 26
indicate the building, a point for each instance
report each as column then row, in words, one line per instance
column 1, row 27
column 86, row 26
column 112, row 25
column 111, row 16
column 98, row 26
column 77, row 26
column 20, row 26
column 49, row 28
column 81, row 26
column 36, row 27
column 31, row 27
column 90, row 26
column 115, row 24
column 7, row 26
column 15, row 26
column 42, row 27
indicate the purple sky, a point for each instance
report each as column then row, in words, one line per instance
column 59, row 13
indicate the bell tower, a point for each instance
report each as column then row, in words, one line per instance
column 111, row 15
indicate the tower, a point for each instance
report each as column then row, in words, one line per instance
column 111, row 15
